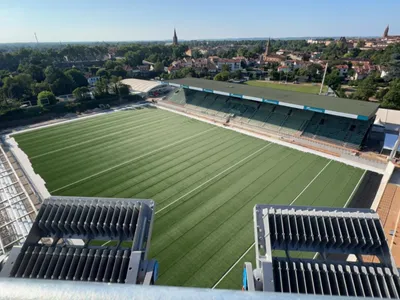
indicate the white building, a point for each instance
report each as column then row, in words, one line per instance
column 234, row 64
column 384, row 73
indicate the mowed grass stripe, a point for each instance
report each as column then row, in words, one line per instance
column 90, row 160
column 108, row 150
column 231, row 230
column 66, row 145
column 117, row 179
column 233, row 279
column 131, row 160
column 192, row 206
column 158, row 180
column 237, row 264
column 68, row 130
column 192, row 223
column 191, row 184
column 232, row 214
column 78, row 138
column 177, row 187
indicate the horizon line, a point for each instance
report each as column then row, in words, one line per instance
column 187, row 40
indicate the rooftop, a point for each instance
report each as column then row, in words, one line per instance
column 139, row 85
column 330, row 105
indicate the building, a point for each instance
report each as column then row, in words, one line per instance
column 361, row 72
column 145, row 88
column 343, row 70
column 234, row 64
column 284, row 69
column 175, row 38
column 92, row 80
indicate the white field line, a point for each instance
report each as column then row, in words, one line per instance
column 316, row 176
column 355, row 188
column 212, row 178
column 106, row 243
column 240, row 258
column 133, row 159
column 99, row 138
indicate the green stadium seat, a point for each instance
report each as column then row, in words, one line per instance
column 336, row 130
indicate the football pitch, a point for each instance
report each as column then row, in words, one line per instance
column 204, row 179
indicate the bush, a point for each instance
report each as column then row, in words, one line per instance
column 46, row 95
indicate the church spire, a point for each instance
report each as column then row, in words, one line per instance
column 175, row 38
column 386, row 32
column 268, row 47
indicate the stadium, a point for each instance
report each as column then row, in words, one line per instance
column 206, row 154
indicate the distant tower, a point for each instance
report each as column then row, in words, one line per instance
column 268, row 47
column 386, row 32
column 175, row 39
column 37, row 41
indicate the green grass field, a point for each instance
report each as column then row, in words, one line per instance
column 303, row 88
column 204, row 179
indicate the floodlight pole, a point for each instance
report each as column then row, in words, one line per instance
column 323, row 79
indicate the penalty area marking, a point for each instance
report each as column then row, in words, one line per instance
column 240, row 258
column 132, row 159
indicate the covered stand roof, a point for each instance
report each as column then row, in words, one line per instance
column 143, row 86
column 354, row 109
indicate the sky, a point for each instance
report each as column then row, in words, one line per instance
column 131, row 20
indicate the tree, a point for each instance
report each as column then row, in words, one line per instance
column 46, row 97
column 110, row 64
column 114, row 84
column 381, row 93
column 36, row 72
column 366, row 89
column 101, row 87
column 18, row 87
column 78, row 77
column 59, row 82
column 394, row 67
column 226, row 68
column 353, row 52
column 237, row 74
column 123, row 90
column 196, row 53
column 133, row 59
column 158, row 67
column 119, row 88
column 392, row 97
column 103, row 73
column 360, row 44
column 119, row 72
column 333, row 80
column 274, row 75
column 223, row 76
column 81, row 93
column 38, row 87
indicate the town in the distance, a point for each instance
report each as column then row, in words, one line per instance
column 350, row 67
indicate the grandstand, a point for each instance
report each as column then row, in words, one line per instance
column 337, row 121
